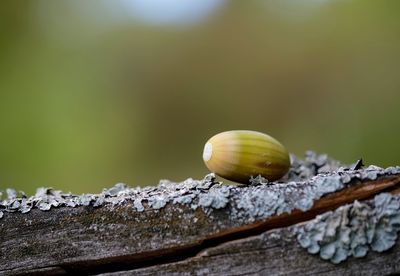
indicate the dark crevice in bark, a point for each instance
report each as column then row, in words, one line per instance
column 360, row 191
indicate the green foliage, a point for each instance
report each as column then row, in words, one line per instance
column 87, row 100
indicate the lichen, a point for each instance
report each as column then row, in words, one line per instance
column 312, row 165
column 258, row 180
column 217, row 197
column 137, row 203
column 157, row 202
column 307, row 181
column 11, row 193
column 353, row 230
column 114, row 191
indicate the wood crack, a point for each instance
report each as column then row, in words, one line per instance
column 359, row 191
column 51, row 243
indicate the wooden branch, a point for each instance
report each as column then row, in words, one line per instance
column 202, row 227
column 275, row 252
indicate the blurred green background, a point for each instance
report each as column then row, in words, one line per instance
column 98, row 92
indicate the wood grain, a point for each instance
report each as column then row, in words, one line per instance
column 174, row 239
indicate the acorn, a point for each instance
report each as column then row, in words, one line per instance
column 238, row 155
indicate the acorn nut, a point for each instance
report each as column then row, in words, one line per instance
column 239, row 154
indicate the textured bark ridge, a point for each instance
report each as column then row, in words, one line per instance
column 322, row 217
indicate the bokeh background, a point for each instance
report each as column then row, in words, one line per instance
column 98, row 92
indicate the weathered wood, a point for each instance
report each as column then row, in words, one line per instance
column 275, row 252
column 181, row 238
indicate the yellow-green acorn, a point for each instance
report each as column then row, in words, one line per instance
column 239, row 154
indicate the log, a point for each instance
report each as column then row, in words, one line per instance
column 316, row 220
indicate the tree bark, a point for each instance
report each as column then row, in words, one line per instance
column 115, row 238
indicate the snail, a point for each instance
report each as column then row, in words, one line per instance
column 237, row 155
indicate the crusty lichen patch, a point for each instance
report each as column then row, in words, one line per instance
column 307, row 181
column 353, row 230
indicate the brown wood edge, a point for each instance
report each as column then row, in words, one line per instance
column 357, row 191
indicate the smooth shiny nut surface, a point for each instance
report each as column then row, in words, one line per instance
column 239, row 154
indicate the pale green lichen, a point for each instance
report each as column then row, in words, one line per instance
column 307, row 181
column 259, row 202
column 353, row 230
column 137, row 203
column 217, row 197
